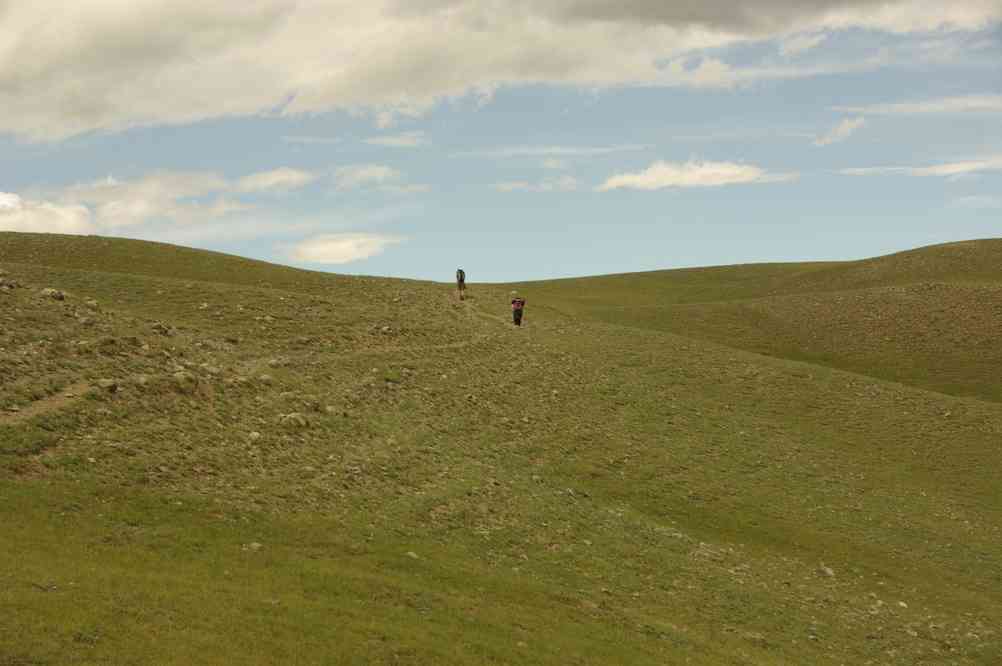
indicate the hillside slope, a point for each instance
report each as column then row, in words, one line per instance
column 927, row 317
column 199, row 468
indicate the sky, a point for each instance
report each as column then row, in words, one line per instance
column 519, row 140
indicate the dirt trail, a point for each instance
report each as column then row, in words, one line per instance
column 67, row 396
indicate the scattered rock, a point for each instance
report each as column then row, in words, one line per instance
column 267, row 380
column 109, row 385
column 54, row 294
column 294, row 420
column 163, row 329
column 253, row 546
column 411, row 554
column 254, row 436
column 92, row 304
column 825, row 571
column 185, row 382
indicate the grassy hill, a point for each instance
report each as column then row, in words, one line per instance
column 927, row 317
column 206, row 459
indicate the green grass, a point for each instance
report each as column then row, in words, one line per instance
column 652, row 471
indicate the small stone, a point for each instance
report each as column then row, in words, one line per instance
column 827, row 572
column 185, row 382
column 411, row 554
column 54, row 294
column 109, row 385
column 253, row 546
column 267, row 380
column 294, row 420
column 903, row 604
column 254, row 436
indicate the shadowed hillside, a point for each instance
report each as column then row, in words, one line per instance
column 205, row 459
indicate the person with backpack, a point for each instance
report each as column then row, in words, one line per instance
column 517, row 307
column 461, row 283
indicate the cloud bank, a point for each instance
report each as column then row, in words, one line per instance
column 107, row 205
column 107, row 65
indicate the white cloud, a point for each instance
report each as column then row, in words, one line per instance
column 342, row 248
column 564, row 183
column 797, row 44
column 944, row 105
column 278, row 180
column 161, row 195
column 360, row 175
column 662, row 175
column 552, row 151
column 840, row 132
column 310, row 140
column 948, row 170
column 375, row 176
column 17, row 214
column 404, row 140
column 67, row 68
column 110, row 205
column 978, row 202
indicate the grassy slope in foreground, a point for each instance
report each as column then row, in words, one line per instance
column 458, row 491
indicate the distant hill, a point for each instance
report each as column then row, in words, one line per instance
column 157, row 260
column 927, row 317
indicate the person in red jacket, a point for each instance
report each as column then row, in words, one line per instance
column 517, row 307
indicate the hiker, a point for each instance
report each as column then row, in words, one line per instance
column 517, row 306
column 461, row 283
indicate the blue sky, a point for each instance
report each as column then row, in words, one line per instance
column 517, row 140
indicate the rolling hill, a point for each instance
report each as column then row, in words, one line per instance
column 208, row 459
